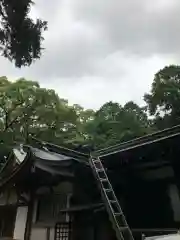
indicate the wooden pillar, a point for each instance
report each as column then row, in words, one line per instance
column 48, row 231
column 174, row 158
column 175, row 201
column 29, row 217
column 174, row 188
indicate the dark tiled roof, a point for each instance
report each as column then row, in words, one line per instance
column 57, row 159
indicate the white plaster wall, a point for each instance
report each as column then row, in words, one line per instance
column 20, row 224
column 165, row 237
column 51, row 234
column 38, row 234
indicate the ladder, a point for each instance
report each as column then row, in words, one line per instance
column 110, row 200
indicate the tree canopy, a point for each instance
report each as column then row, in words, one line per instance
column 20, row 36
column 28, row 109
column 164, row 98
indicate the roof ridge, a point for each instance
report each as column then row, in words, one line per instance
column 58, row 146
column 175, row 130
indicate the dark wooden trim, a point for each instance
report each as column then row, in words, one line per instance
column 155, row 230
column 48, row 230
column 140, row 141
column 8, row 196
column 14, row 222
column 10, row 179
column 84, row 207
column 14, row 205
column 23, row 199
column 27, row 233
column 43, row 224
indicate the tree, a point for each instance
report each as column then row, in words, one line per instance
column 20, row 37
column 113, row 123
column 164, row 98
column 26, row 108
column 84, row 118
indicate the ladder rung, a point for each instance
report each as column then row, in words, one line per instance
column 122, row 229
column 110, row 201
column 96, row 161
column 113, row 201
column 107, row 190
column 118, row 214
column 103, row 179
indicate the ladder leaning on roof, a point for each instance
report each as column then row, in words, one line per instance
column 110, row 200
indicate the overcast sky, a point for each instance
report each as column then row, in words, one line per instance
column 102, row 50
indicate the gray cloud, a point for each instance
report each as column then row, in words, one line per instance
column 83, row 33
column 118, row 44
column 142, row 27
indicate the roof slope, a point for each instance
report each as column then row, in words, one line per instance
column 138, row 142
column 76, row 155
column 45, row 157
column 58, row 160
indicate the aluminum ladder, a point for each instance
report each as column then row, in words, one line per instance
column 110, row 200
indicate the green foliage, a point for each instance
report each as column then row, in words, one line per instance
column 26, row 108
column 164, row 98
column 113, row 123
column 20, row 36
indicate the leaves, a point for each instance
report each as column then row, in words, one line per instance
column 164, row 98
column 26, row 108
column 113, row 123
column 20, row 37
